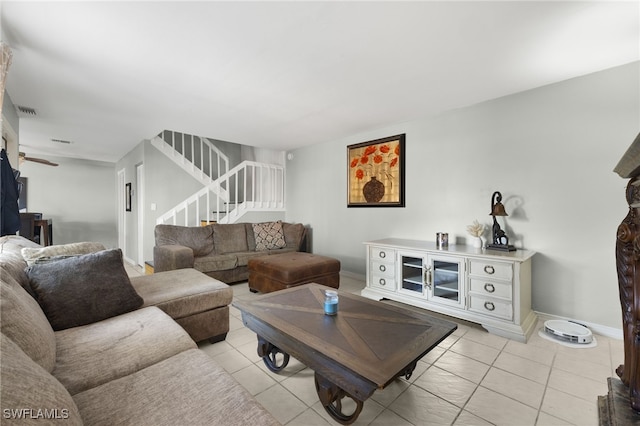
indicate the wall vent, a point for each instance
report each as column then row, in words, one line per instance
column 26, row 110
column 61, row 141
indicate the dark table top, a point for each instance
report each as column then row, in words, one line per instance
column 373, row 339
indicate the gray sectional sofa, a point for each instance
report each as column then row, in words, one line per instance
column 222, row 251
column 139, row 367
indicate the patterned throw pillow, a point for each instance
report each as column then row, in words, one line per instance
column 268, row 235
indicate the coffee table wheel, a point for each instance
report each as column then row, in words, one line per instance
column 331, row 397
column 271, row 360
column 269, row 354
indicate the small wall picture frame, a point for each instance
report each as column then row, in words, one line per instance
column 127, row 197
column 376, row 173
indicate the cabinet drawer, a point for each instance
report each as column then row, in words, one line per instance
column 492, row 307
column 382, row 254
column 383, row 268
column 385, row 282
column 491, row 288
column 494, row 270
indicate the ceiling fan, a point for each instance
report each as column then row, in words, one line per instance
column 23, row 157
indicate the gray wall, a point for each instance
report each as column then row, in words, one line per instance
column 550, row 151
column 78, row 195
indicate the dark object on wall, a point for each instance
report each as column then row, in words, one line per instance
column 9, row 212
column 127, row 197
column 375, row 173
column 622, row 404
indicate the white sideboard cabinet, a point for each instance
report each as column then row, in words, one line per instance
column 488, row 287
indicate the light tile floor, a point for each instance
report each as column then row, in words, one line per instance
column 471, row 378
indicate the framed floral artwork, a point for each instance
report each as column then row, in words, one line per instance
column 376, row 173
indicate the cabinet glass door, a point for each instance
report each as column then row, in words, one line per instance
column 412, row 277
column 447, row 280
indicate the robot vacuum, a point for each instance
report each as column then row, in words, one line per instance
column 568, row 331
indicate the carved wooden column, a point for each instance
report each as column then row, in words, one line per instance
column 627, row 256
column 622, row 404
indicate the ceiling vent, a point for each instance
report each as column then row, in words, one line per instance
column 26, row 110
column 61, row 141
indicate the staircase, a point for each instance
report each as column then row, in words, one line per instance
column 227, row 194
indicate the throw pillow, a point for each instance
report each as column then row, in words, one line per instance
column 230, row 238
column 84, row 289
column 268, row 235
column 31, row 255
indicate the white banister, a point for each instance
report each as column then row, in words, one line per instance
column 267, row 178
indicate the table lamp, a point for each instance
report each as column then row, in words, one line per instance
column 500, row 239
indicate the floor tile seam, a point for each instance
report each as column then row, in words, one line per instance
column 478, row 385
column 484, row 344
column 406, row 390
column 287, row 390
column 301, row 414
column 523, row 358
column 569, row 422
column 571, row 394
column 528, row 359
column 544, row 392
column 464, row 408
column 555, row 416
column 475, row 359
column 241, row 354
column 589, row 359
column 537, row 409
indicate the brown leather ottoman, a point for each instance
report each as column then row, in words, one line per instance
column 280, row 271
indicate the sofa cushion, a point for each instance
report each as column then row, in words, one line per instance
column 229, row 238
column 15, row 243
column 41, row 254
column 294, row 234
column 97, row 353
column 268, row 235
column 11, row 260
column 202, row 393
column 84, row 289
column 183, row 292
column 198, row 238
column 220, row 262
column 29, row 390
column 243, row 257
column 23, row 321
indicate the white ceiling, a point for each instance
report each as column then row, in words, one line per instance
column 106, row 75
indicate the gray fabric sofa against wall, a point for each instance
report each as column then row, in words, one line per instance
column 222, row 251
column 138, row 367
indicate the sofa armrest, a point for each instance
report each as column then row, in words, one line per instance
column 170, row 257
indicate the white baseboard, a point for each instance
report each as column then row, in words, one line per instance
column 603, row 330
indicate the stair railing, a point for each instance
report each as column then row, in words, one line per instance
column 250, row 186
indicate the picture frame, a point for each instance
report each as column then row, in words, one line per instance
column 376, row 174
column 127, row 197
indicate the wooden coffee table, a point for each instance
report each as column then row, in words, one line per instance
column 366, row 346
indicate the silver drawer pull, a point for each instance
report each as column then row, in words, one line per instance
column 489, row 287
column 382, row 281
column 489, row 269
column 489, row 306
column 383, row 268
column 382, row 254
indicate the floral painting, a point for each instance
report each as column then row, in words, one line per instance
column 376, row 173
